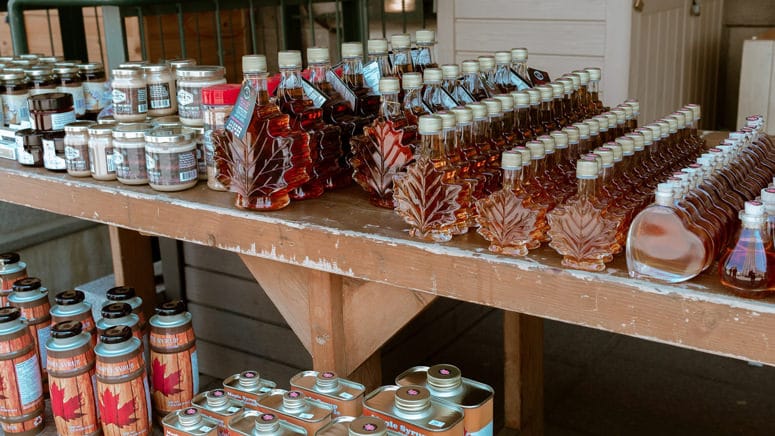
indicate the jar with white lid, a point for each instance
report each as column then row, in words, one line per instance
column 77, row 148
column 130, row 96
column 160, row 85
column 170, row 158
column 101, row 150
column 129, row 153
column 70, row 81
column 191, row 80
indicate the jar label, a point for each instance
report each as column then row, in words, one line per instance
column 15, row 109
column 28, row 381
column 101, row 160
column 201, row 159
column 79, row 99
column 159, row 96
column 130, row 163
column 97, row 95
column 76, row 157
column 242, row 112
column 51, row 159
column 60, row 120
column 130, row 101
column 171, row 168
column 190, row 103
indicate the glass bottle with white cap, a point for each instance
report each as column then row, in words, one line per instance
column 472, row 80
column 423, row 56
column 509, row 118
column 434, row 96
column 593, row 87
column 402, row 56
column 481, row 140
column 558, row 92
column 450, row 75
column 474, row 163
column 748, row 265
column 377, row 50
column 548, row 122
column 413, row 104
column 575, row 98
column 366, row 103
column 519, row 63
column 487, row 73
column 522, row 130
column 502, row 77
column 495, row 131
column 584, row 98
column 535, row 112
column 567, row 100
column 254, row 73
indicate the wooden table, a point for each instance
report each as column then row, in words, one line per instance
column 346, row 276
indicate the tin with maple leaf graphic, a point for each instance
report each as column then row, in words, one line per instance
column 217, row 405
column 128, row 295
column 116, row 314
column 189, row 422
column 11, row 269
column 345, row 396
column 123, row 397
column 248, row 387
column 71, row 306
column 351, row 426
column 21, row 389
column 32, row 298
column 255, row 423
column 174, row 364
column 71, row 379
column 411, row 410
column 296, row 408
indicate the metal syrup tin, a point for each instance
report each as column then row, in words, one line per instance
column 296, row 408
column 345, row 396
column 351, row 426
column 218, row 406
column 255, row 423
column 446, row 383
column 70, row 306
column 411, row 410
column 189, row 421
column 248, row 387
column 11, row 269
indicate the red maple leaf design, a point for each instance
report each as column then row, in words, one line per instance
column 111, row 413
column 66, row 410
column 167, row 385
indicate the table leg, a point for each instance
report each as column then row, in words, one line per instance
column 133, row 264
column 523, row 394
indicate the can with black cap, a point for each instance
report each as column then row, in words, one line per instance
column 11, row 269
column 72, row 306
column 32, row 299
column 118, row 314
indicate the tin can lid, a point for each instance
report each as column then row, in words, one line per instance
column 120, row 293
column 266, row 423
column 249, row 378
column 10, row 314
column 91, row 67
column 66, row 329
column 216, row 398
column 116, row 310
column 26, row 284
column 177, row 63
column 12, row 75
column 225, row 94
column 444, row 376
column 156, row 68
column 51, row 101
column 171, row 308
column 68, row 298
column 367, row 425
column 412, row 398
column 9, row 258
column 38, row 71
column 116, row 335
column 189, row 417
column 294, row 399
column 326, row 380
column 123, row 72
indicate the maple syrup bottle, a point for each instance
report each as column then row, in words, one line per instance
column 584, row 96
column 619, row 128
column 585, row 142
column 563, row 166
column 548, row 122
column 768, row 199
column 496, row 130
column 541, row 190
column 747, row 267
column 629, row 115
column 530, row 187
column 635, row 105
column 535, row 112
column 402, row 56
column 484, row 148
column 509, row 119
column 599, row 130
column 367, row 103
column 487, row 73
column 567, row 103
column 575, row 112
column 558, row 117
column 572, row 154
column 502, row 77
column 472, row 80
column 649, row 152
column 596, row 106
column 434, row 96
column 254, row 73
column 467, row 213
column 324, row 140
column 450, row 74
column 663, row 242
column 522, row 130
column 548, row 171
column 519, row 64
column 413, row 104
column 424, row 58
column 377, row 50
column 474, row 163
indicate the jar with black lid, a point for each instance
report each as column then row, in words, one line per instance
column 29, row 147
column 41, row 79
column 70, row 81
column 51, row 111
column 14, row 95
column 95, row 87
column 54, row 150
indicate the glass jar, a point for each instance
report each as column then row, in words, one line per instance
column 107, row 120
column 201, row 163
column 101, row 162
column 218, row 102
column 191, row 81
column 29, row 147
column 51, row 111
column 170, row 157
column 95, row 87
column 179, row 63
column 168, row 121
column 133, row 64
column 14, row 95
column 41, row 80
column 130, row 96
column 70, row 82
column 54, row 150
column 160, row 85
column 77, row 148
column 129, row 153
column 51, row 59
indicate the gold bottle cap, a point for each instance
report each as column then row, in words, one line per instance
column 470, row 66
column 377, row 46
column 486, row 63
column 557, row 89
column 560, row 139
column 450, row 71
column 546, row 92
column 535, row 96
column 681, row 118
column 429, row 124
column 672, row 124
column 607, row 155
column 574, row 133
column 593, row 127
column 494, row 106
column 576, row 80
column 352, row 50
column 567, row 84
column 463, row 115
column 548, row 142
column 695, row 108
column 536, row 149
column 616, row 149
column 388, row 85
column 432, row 75
column 628, row 145
column 425, row 36
column 521, row 98
column 511, row 160
column 507, row 102
column 318, row 55
column 594, row 73
column 519, row 54
column 648, row 135
column 448, row 119
column 503, row 57
column 639, row 142
column 254, row 64
column 289, row 59
column 586, row 169
column 583, row 76
column 479, row 110
column 401, row 41
column 525, row 152
column 629, row 112
column 412, row 80
column 621, row 115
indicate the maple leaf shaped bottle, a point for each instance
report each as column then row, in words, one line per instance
column 747, row 267
column 504, row 218
column 434, row 96
column 579, row 230
column 449, row 156
column 377, row 50
column 382, row 151
column 426, row 195
column 450, row 74
column 366, row 102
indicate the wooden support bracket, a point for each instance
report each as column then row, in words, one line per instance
column 523, row 364
column 133, row 264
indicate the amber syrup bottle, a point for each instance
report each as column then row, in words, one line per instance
column 366, row 103
column 563, row 166
column 402, row 56
column 377, row 50
column 484, row 148
column 547, row 119
column 496, row 139
column 536, row 197
column 634, row 104
column 519, row 64
column 585, row 140
column 466, row 214
column 434, row 96
column 472, row 80
column 522, row 130
column 621, row 122
column 450, row 75
column 609, row 195
column 584, row 97
column 572, row 153
column 598, row 133
column 748, row 263
column 413, row 105
column 487, row 73
column 474, row 163
column 558, row 117
column 533, row 173
column 424, row 57
column 535, row 112
column 544, row 167
column 576, row 110
column 567, row 104
column 502, row 77
column 629, row 114
column 254, row 73
column 509, row 119
column 596, row 106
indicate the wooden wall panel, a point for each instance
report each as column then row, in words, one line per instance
column 757, row 82
column 220, row 362
column 532, row 10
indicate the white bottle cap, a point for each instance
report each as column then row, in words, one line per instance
column 318, row 55
column 401, row 41
column 586, row 169
column 546, row 92
column 535, row 96
column 432, row 75
column 754, row 209
column 507, row 102
column 463, row 115
column 680, row 118
column 621, row 116
column 377, row 46
column 536, row 149
column 688, row 115
column 254, row 64
column 388, row 85
column 412, row 80
column 696, row 109
column 557, row 89
column 612, row 119
column 486, row 63
column 672, row 124
column 616, row 149
column 634, row 104
column 583, row 76
column 425, row 36
column 628, row 145
column 503, row 57
column 479, row 110
column 573, row 134
column 594, row 73
column 648, row 135
column 352, row 50
column 548, row 142
column 607, row 155
column 519, row 54
column 450, row 71
column 594, row 127
column 768, row 196
column 583, row 129
column 560, row 139
column 448, row 120
column 576, row 80
column 629, row 112
column 470, row 66
column 656, row 131
column 289, row 59
column 429, row 124
column 525, row 152
column 638, row 141
column 567, row 84
column 511, row 160
column 521, row 98
column 494, row 106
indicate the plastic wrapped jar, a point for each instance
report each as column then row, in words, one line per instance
column 130, row 96
column 77, row 148
column 218, row 102
column 160, row 85
column 191, row 81
column 41, row 80
column 70, row 82
column 51, row 111
column 54, row 150
column 95, row 87
column 170, row 157
column 129, row 153
column 29, row 147
column 101, row 162
column 14, row 95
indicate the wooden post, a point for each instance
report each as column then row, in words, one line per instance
column 133, row 264
column 326, row 317
column 523, row 394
